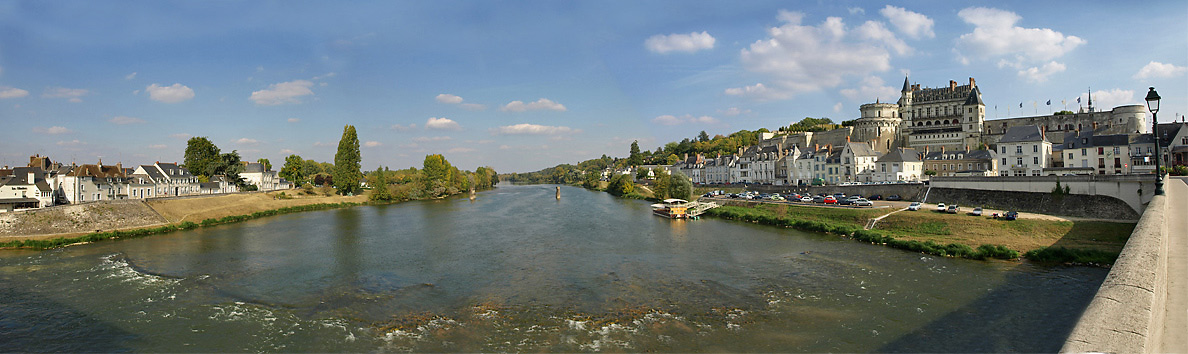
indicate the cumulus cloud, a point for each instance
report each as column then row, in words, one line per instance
column 533, row 129
column 1040, row 74
column 73, row 95
column 169, row 94
column 282, row 93
column 541, row 104
column 838, row 107
column 288, row 151
column 856, row 11
column 442, row 124
column 870, row 89
column 55, row 130
column 685, row 119
column 130, row 76
column 12, row 92
column 687, row 43
column 802, row 58
column 448, row 98
column 373, row 144
column 1107, row 100
column 122, row 120
column 247, row 141
column 403, row 128
column 294, row 120
column 1153, row 70
column 910, row 23
column 425, row 139
column 995, row 36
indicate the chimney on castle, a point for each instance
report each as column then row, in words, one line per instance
column 847, row 139
column 972, row 83
column 816, row 147
column 952, row 84
column 1094, row 126
column 942, row 149
column 872, row 144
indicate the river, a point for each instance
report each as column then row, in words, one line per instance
column 518, row 270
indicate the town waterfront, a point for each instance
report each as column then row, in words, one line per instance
column 519, row 270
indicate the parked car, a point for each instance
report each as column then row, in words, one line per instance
column 894, row 197
column 940, row 207
column 953, row 209
column 976, row 212
column 1011, row 215
column 806, row 199
column 863, row 202
column 876, row 197
column 829, row 200
column 914, row 206
column 819, row 199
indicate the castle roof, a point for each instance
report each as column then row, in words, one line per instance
column 906, row 86
column 975, row 97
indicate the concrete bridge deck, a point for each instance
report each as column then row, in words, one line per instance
column 1142, row 306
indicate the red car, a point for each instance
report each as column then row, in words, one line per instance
column 830, row 200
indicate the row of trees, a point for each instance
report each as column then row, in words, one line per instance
column 436, row 178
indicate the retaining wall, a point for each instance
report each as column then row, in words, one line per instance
column 1125, row 314
column 1079, row 205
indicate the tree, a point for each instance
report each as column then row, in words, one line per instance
column 202, row 156
column 642, row 173
column 635, row 159
column 929, row 173
column 672, row 159
column 379, row 185
column 620, row 185
column 230, row 165
column 679, row 186
column 311, row 168
column 591, row 181
column 436, row 175
column 294, row 169
column 703, row 137
column 347, row 162
column 266, row 163
column 660, row 186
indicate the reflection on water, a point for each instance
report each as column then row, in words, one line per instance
column 519, row 270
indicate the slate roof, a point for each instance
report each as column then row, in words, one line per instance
column 253, row 167
column 174, row 171
column 1168, row 131
column 972, row 154
column 152, row 173
column 1072, row 140
column 20, row 176
column 975, row 97
column 901, row 155
column 99, row 171
column 861, row 149
column 1025, row 133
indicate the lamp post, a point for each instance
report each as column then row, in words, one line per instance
column 1153, row 105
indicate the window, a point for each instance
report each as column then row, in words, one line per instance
column 1019, row 149
column 1004, row 149
column 1116, row 151
column 1084, row 152
column 1019, row 161
column 1035, row 148
column 1004, row 161
column 1070, row 156
column 1035, row 160
column 1100, row 150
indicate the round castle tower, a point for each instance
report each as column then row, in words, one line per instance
column 879, row 123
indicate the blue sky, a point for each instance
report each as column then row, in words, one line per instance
column 526, row 85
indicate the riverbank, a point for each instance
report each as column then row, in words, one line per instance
column 956, row 235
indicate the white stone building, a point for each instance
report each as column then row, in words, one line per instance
column 902, row 164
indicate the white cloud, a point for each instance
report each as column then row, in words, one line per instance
column 1041, row 73
column 1153, row 69
column 425, row 139
column 541, row 104
column 12, row 92
column 74, row 142
column 838, row 107
column 180, row 136
column 373, row 144
column 282, row 93
column 158, row 146
column 1106, row 100
column 294, row 120
column 288, row 151
column 685, row 119
column 130, row 76
column 55, row 130
column 912, row 24
column 442, row 124
column 734, row 111
column 803, row 58
column 473, row 106
column 856, row 11
column 687, row 43
column 995, row 36
column 460, row 150
column 533, row 129
column 872, row 88
column 169, row 94
column 448, row 98
column 73, row 95
column 247, row 141
column 121, row 120
column 403, row 128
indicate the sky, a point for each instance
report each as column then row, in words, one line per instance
column 525, row 85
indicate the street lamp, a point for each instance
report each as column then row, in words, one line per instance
column 1153, row 105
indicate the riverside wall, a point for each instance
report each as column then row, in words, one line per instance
column 1135, row 190
column 1127, row 313
column 1078, row 205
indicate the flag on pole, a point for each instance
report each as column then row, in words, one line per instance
column 1020, row 104
column 1049, row 102
column 1078, row 100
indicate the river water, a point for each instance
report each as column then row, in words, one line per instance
column 518, row 270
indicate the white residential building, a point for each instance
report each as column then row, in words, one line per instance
column 264, row 180
column 902, row 164
column 858, row 162
column 168, row 179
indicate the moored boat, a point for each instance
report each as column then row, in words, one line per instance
column 672, row 209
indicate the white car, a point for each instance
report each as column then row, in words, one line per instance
column 914, row 206
column 806, row 199
column 940, row 207
column 863, row 202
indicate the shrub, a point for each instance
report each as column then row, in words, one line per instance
column 1071, row 255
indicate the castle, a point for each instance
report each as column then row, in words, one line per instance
column 954, row 117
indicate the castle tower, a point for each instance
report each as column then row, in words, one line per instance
column 879, row 125
column 973, row 118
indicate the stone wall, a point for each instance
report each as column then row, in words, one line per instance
column 1135, row 190
column 85, row 217
column 1123, row 316
column 1078, row 205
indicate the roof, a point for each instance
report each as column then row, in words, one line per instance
column 975, row 97
column 968, row 155
column 1087, row 139
column 861, row 149
column 1168, row 131
column 20, row 176
column 901, row 155
column 100, row 171
column 1026, row 133
column 906, row 86
column 172, row 170
column 253, row 167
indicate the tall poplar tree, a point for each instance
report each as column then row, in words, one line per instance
column 347, row 174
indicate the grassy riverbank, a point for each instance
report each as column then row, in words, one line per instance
column 960, row 235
